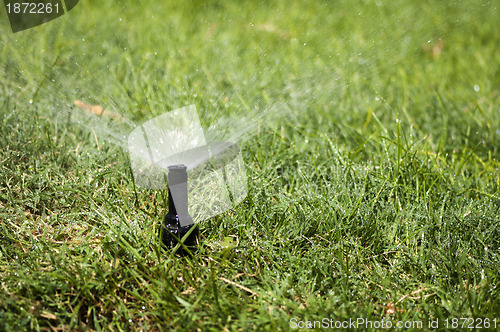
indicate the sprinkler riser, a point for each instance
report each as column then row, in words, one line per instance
column 177, row 222
column 171, row 234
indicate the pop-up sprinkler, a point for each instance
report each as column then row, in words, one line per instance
column 178, row 223
column 163, row 149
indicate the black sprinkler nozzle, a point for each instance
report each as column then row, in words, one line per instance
column 178, row 222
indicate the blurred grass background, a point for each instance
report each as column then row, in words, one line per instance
column 373, row 177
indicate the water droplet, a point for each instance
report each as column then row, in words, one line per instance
column 476, row 88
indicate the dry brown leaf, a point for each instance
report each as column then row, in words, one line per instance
column 435, row 49
column 415, row 294
column 390, row 309
column 189, row 290
column 97, row 110
column 239, row 286
column 48, row 315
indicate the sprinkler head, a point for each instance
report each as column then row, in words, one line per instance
column 178, row 223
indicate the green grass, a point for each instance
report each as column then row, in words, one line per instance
column 375, row 185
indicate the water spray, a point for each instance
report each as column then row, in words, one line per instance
column 203, row 179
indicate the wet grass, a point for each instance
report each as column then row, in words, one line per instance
column 373, row 192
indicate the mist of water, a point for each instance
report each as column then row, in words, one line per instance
column 48, row 71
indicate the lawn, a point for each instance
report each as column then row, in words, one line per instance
column 369, row 132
